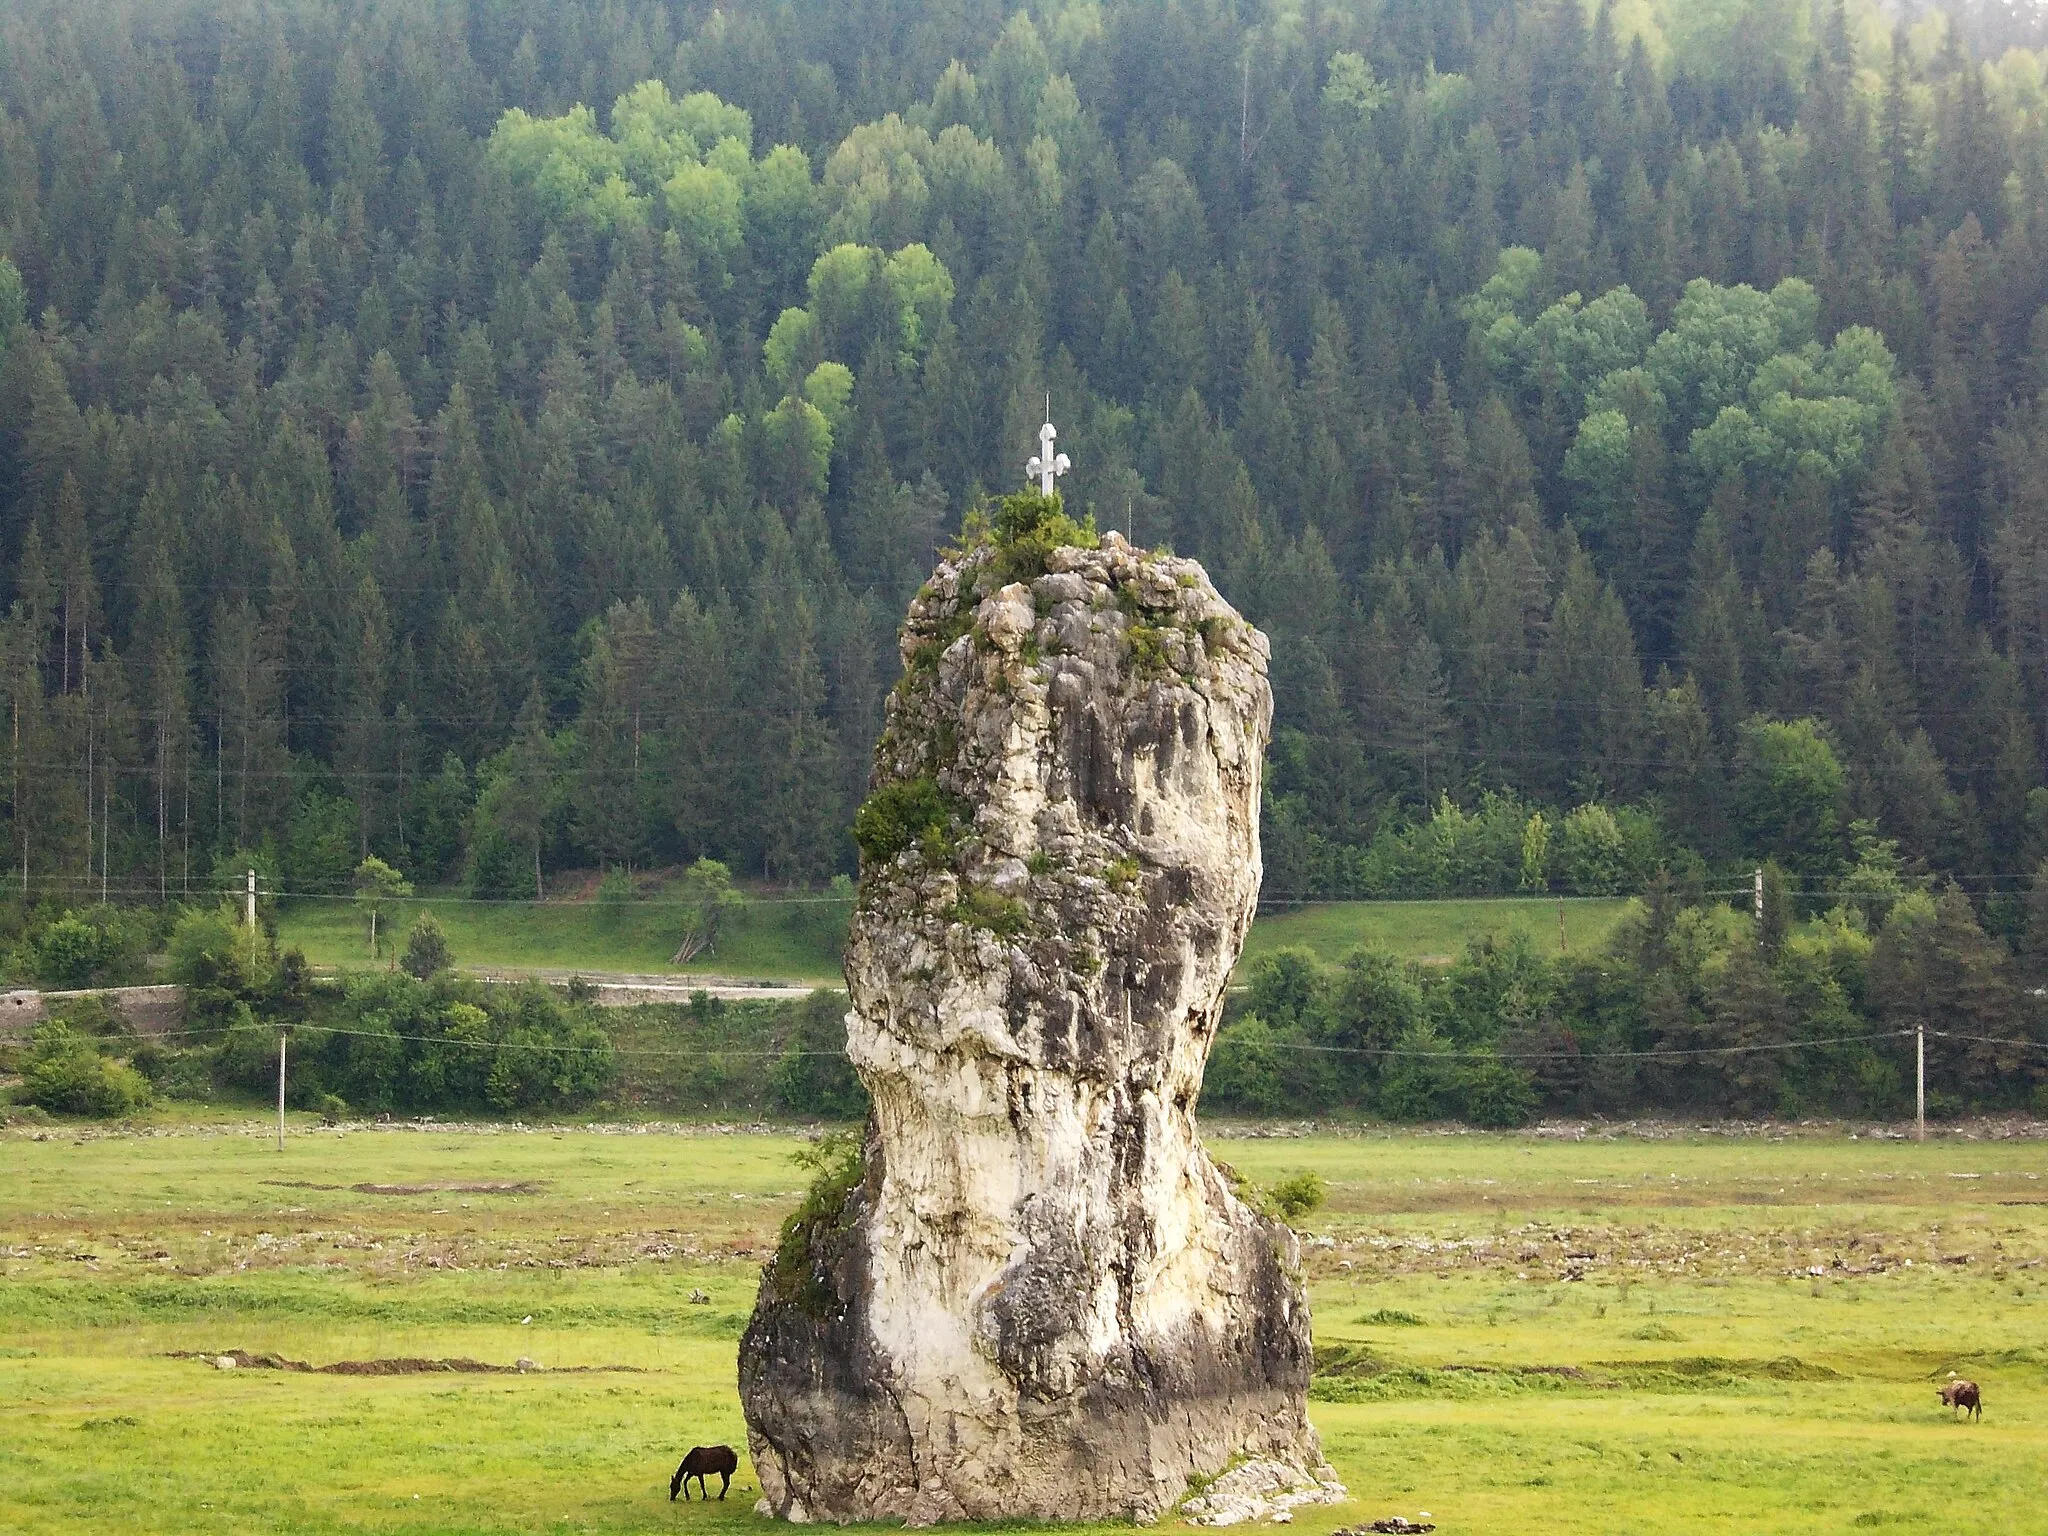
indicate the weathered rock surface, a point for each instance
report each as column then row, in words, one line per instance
column 1037, row 1296
column 1261, row 1490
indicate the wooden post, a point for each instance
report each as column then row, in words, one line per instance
column 282, row 1037
column 1562, row 946
column 1919, row 1082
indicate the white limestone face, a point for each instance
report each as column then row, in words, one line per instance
column 1042, row 1298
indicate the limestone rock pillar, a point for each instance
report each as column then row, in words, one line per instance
column 1035, row 1295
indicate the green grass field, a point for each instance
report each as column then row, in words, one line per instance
column 1432, row 931
column 1518, row 1333
column 795, row 941
column 785, row 941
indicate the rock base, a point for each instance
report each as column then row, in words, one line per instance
column 1262, row 1490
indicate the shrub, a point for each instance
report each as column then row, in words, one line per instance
column 1590, row 851
column 246, row 1055
column 818, row 1224
column 900, row 815
column 1028, row 527
column 1497, row 1095
column 176, row 1074
column 215, row 957
column 1419, row 1086
column 426, row 948
column 289, row 992
column 1294, row 1197
column 80, row 951
column 980, row 907
column 66, row 1073
column 814, row 1077
column 94, row 1017
column 448, row 1043
column 1243, row 1072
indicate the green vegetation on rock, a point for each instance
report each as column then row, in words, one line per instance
column 905, row 814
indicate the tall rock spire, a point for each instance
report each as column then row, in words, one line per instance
column 1035, row 1295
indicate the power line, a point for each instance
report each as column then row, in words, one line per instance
column 512, row 1045
column 199, row 888
column 1407, row 1053
column 1658, row 1052
column 2030, row 1045
column 522, row 901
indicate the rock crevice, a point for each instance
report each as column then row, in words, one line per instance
column 1038, row 1297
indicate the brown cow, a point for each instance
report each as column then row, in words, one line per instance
column 702, row 1459
column 1962, row 1396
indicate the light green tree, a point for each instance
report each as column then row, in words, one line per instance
column 709, row 902
column 791, row 339
column 1535, row 853
column 377, row 885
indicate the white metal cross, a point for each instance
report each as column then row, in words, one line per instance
column 1046, row 464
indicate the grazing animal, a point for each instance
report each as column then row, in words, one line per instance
column 702, row 1459
column 1963, row 1396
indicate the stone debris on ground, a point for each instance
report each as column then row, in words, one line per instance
column 1262, row 1490
column 1392, row 1523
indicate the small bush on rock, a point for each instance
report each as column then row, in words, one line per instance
column 899, row 815
column 1027, row 528
column 818, row 1224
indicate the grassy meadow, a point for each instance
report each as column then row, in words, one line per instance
column 798, row 940
column 1432, row 932
column 766, row 941
column 1517, row 1333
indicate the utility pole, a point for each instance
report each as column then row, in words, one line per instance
column 282, row 1036
column 1919, row 1082
column 1562, row 946
column 1757, row 896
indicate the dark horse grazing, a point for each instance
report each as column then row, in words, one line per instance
column 703, row 1459
column 1960, row 1394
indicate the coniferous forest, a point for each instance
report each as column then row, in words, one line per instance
column 501, row 436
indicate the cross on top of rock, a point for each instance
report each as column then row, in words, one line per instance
column 1046, row 464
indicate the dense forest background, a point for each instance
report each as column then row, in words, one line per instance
column 502, row 436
